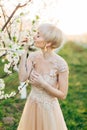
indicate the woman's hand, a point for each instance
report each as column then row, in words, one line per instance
column 36, row 79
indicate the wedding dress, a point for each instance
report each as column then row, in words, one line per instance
column 42, row 111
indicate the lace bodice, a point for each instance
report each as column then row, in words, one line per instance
column 39, row 95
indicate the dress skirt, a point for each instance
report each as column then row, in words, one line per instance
column 41, row 112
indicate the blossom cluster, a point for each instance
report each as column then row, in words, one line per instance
column 12, row 49
column 4, row 95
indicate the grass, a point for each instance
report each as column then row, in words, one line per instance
column 74, row 107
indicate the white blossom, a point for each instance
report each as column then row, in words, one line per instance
column 12, row 94
column 13, row 50
column 6, row 68
column 16, row 68
column 20, row 88
column 3, row 60
column 2, row 84
column 2, row 92
column 2, row 96
column 6, row 96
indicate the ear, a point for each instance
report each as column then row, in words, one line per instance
column 48, row 44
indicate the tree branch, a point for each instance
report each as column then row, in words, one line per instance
column 17, row 7
column 25, row 4
column 10, row 17
column 5, row 22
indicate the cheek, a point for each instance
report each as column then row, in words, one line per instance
column 39, row 44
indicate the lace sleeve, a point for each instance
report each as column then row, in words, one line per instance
column 63, row 66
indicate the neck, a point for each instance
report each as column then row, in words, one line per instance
column 47, row 54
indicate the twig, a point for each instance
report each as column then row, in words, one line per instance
column 17, row 7
column 24, row 4
column 5, row 21
column 3, row 54
column 10, row 17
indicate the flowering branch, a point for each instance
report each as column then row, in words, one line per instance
column 3, row 12
column 12, row 49
column 14, row 11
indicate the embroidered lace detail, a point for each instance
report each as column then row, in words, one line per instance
column 51, row 78
column 61, row 65
column 40, row 96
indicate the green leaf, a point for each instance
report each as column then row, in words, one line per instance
column 34, row 30
column 14, row 38
column 10, row 46
column 37, row 17
column 21, row 14
column 33, row 22
column 18, row 20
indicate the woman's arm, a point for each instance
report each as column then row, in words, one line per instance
column 60, row 93
column 24, row 67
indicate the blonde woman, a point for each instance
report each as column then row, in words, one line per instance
column 48, row 75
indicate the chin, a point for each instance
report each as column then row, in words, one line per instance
column 35, row 44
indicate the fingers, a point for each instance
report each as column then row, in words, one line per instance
column 34, row 77
column 34, row 74
column 32, row 81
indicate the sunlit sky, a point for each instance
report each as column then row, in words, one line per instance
column 69, row 15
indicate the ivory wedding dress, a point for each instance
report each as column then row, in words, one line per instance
column 42, row 111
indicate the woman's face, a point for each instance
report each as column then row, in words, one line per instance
column 39, row 40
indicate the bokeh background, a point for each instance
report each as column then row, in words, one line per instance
column 70, row 17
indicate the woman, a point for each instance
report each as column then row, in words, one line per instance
column 48, row 75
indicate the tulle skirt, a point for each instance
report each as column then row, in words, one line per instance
column 38, row 115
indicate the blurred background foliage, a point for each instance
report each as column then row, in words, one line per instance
column 74, row 107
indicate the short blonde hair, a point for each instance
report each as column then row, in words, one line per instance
column 51, row 34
